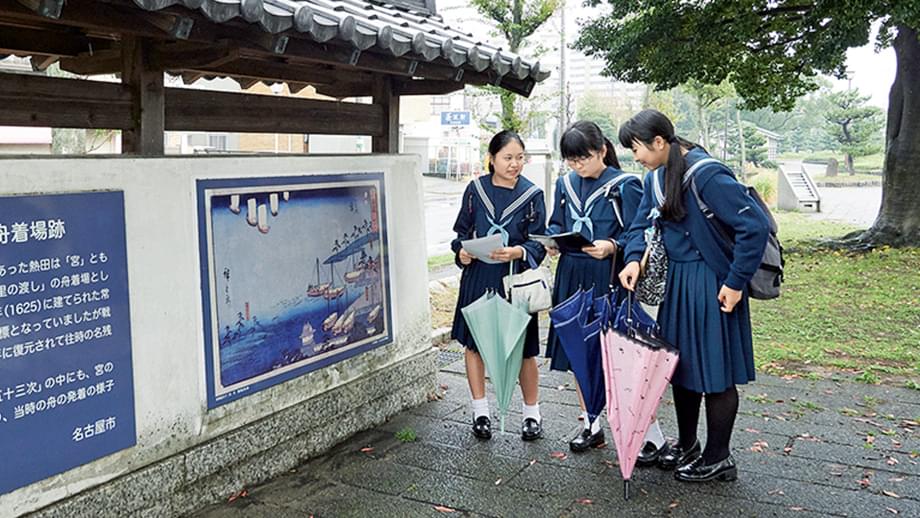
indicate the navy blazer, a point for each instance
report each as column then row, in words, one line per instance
column 732, row 206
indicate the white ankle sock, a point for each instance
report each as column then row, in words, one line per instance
column 584, row 419
column 480, row 408
column 596, row 425
column 654, row 435
column 532, row 411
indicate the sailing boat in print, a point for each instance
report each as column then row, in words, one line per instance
column 333, row 292
column 319, row 288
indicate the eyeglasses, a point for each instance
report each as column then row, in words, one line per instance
column 580, row 161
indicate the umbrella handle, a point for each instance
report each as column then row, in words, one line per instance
column 626, row 489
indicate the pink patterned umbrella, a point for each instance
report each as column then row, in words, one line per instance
column 638, row 368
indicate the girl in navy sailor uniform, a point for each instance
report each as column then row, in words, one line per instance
column 598, row 200
column 504, row 203
column 705, row 311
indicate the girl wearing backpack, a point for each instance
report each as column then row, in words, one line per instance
column 505, row 203
column 705, row 311
column 598, row 200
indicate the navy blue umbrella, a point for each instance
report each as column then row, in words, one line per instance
column 578, row 325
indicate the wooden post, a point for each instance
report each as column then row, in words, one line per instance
column 148, row 100
column 385, row 96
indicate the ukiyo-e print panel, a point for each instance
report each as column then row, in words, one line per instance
column 294, row 277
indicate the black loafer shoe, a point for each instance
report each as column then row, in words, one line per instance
column 677, row 456
column 482, row 427
column 651, row 453
column 696, row 471
column 586, row 440
column 531, row 429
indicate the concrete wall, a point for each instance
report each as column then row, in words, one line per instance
column 187, row 456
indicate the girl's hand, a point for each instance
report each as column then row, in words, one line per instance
column 506, row 254
column 728, row 298
column 552, row 251
column 602, row 248
column 629, row 276
column 465, row 257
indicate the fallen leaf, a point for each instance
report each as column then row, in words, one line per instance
column 891, row 461
column 870, row 439
column 444, row 386
column 562, row 387
column 584, row 501
column 863, row 482
column 892, row 494
column 796, row 508
column 497, row 482
column 787, row 450
column 241, row 494
column 532, row 462
column 751, row 430
column 896, row 479
column 673, row 504
column 777, row 492
column 759, row 446
column 442, row 509
column 558, row 455
column 892, row 511
column 368, row 449
column 601, row 446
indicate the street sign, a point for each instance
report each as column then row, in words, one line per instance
column 455, row 118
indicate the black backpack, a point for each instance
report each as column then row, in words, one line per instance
column 765, row 284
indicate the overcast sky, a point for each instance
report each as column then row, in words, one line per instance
column 872, row 73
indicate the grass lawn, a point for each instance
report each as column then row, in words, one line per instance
column 858, row 314
column 848, row 315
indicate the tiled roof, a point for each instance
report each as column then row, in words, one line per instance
column 400, row 30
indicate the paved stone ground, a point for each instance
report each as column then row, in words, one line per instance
column 804, row 448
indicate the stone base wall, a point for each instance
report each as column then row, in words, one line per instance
column 212, row 471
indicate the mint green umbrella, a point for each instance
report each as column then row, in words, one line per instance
column 499, row 329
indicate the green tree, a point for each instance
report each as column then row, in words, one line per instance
column 600, row 110
column 854, row 124
column 772, row 51
column 755, row 144
column 516, row 20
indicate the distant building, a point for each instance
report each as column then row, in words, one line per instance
column 773, row 140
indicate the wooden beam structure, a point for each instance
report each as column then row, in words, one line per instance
column 381, row 52
column 34, row 100
column 388, row 100
column 198, row 110
column 145, row 135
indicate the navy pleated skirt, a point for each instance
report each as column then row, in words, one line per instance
column 716, row 350
column 575, row 272
column 474, row 281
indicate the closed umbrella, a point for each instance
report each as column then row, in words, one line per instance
column 638, row 366
column 578, row 326
column 499, row 329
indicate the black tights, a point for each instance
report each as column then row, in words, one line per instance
column 721, row 409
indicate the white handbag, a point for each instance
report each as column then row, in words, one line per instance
column 531, row 289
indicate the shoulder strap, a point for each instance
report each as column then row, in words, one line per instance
column 688, row 174
column 710, row 216
column 615, row 195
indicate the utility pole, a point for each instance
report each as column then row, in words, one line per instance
column 563, row 94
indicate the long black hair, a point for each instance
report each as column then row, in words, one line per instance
column 583, row 138
column 643, row 127
column 500, row 140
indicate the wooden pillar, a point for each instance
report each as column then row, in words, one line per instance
column 385, row 96
column 148, row 100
